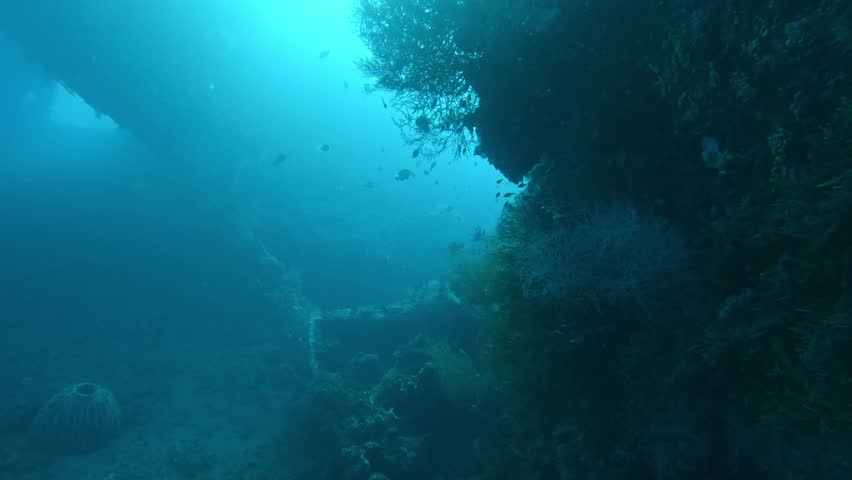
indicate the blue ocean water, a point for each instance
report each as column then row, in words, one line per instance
column 184, row 283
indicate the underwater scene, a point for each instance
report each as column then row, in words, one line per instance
column 425, row 240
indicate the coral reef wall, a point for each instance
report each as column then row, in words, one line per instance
column 727, row 124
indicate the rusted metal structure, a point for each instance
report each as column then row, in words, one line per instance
column 152, row 66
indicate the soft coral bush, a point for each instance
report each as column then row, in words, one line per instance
column 608, row 256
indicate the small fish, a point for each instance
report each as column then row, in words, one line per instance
column 324, row 53
column 499, row 181
column 432, row 167
column 566, row 329
column 404, row 175
column 383, row 149
column 478, row 234
column 370, row 185
column 437, row 182
column 522, row 184
column 498, row 195
column 455, row 247
column 345, row 84
column 507, row 195
column 415, row 153
column 425, row 172
column 384, row 104
column 323, row 147
column 281, row 158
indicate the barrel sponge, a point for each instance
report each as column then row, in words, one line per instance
column 79, row 419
